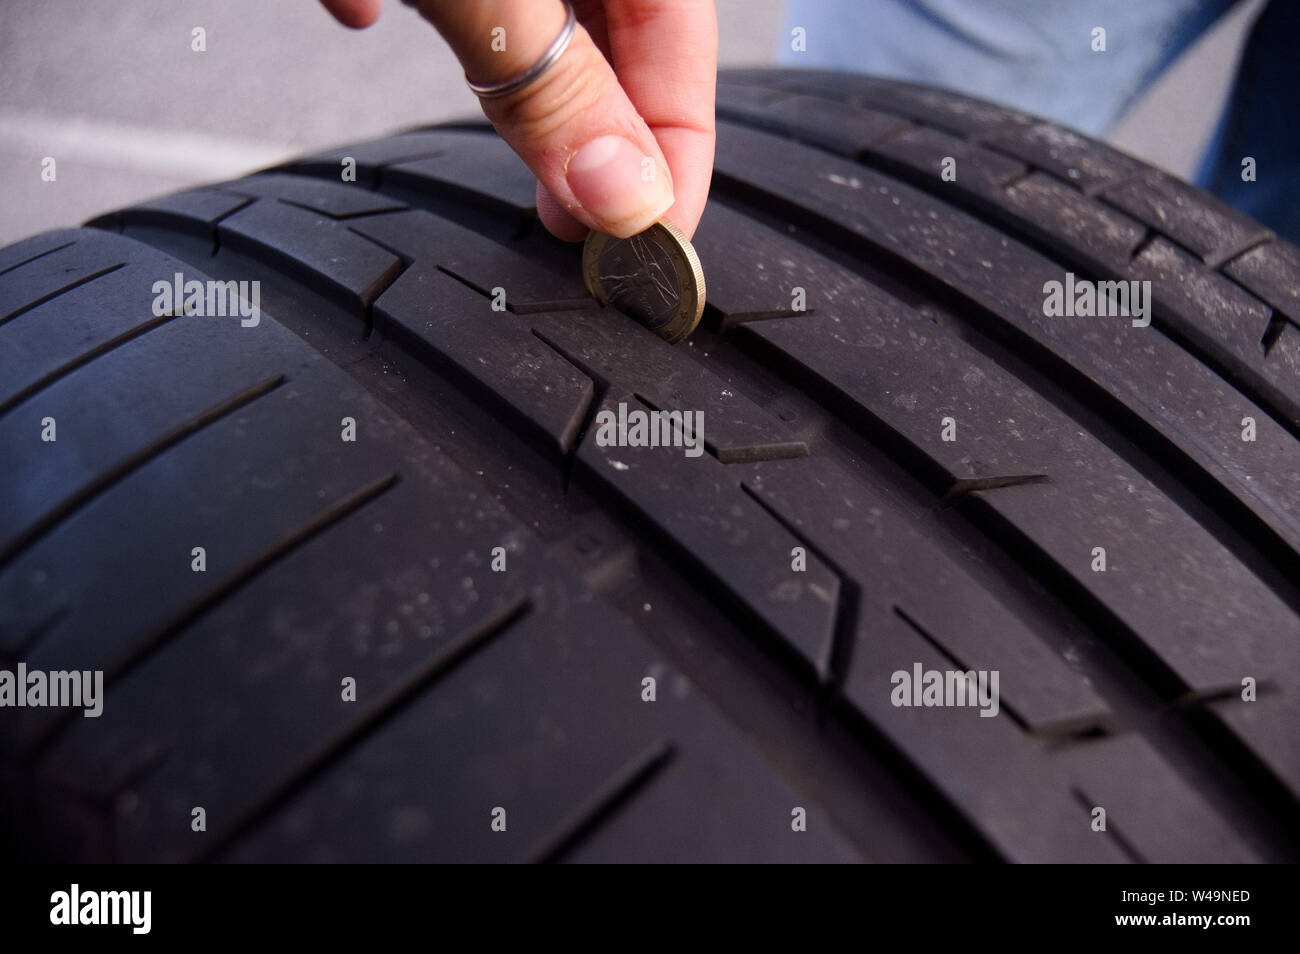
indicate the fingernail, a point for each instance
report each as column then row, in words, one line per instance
column 618, row 185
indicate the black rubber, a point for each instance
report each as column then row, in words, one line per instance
column 522, row 690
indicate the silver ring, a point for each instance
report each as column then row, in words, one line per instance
column 497, row 90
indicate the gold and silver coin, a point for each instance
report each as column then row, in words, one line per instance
column 654, row 277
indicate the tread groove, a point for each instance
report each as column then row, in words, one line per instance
column 970, row 485
column 790, row 450
column 62, row 290
column 392, row 702
column 614, row 792
column 1276, row 326
column 227, row 585
column 83, row 359
column 32, row 258
column 599, row 389
column 959, row 664
column 118, row 471
column 1124, row 844
column 833, row 669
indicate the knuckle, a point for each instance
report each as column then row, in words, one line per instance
column 575, row 84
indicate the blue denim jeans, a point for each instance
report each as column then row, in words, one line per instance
column 1037, row 56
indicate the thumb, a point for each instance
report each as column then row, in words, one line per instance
column 573, row 126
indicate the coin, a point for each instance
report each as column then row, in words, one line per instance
column 654, row 277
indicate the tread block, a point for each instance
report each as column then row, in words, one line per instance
column 1269, row 723
column 632, row 359
column 736, row 831
column 1054, row 213
column 1064, row 218
column 1271, row 271
column 430, row 309
column 1222, row 318
column 479, row 262
column 550, row 395
column 337, row 200
column 1151, row 807
column 1085, row 163
column 698, row 504
column 859, row 530
column 1194, row 219
column 921, row 150
column 195, row 212
column 998, row 777
column 477, row 165
column 766, row 287
column 945, row 109
column 1024, row 797
column 312, row 247
column 808, row 118
column 370, row 157
column 1189, row 289
column 1285, row 354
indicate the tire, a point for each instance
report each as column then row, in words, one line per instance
column 393, row 646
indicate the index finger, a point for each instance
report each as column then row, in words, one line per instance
column 354, row 13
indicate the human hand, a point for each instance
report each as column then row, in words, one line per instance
column 619, row 130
